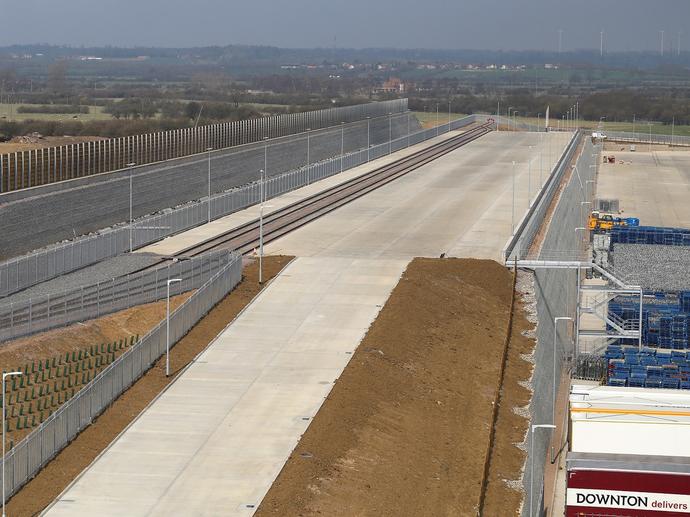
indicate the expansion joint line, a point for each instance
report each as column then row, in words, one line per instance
column 497, row 399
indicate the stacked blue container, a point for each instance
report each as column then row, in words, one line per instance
column 647, row 368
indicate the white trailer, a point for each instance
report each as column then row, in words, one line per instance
column 618, row 420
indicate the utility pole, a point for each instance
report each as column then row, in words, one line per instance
column 560, row 40
column 601, row 44
column 662, row 43
column 678, row 43
column 498, row 116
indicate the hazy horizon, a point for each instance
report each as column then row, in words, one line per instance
column 629, row 25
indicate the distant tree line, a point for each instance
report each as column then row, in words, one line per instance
column 54, row 109
column 621, row 105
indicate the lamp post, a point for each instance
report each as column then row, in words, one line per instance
column 437, row 121
column 449, row 115
column 308, row 156
column 209, row 149
column 555, row 382
column 650, row 136
column 531, row 454
column 261, row 242
column 265, row 155
column 529, row 178
column 582, row 203
column 167, row 327
column 390, row 132
column 342, row 144
column 512, row 212
column 590, row 193
column 498, row 116
column 131, row 211
column 4, row 376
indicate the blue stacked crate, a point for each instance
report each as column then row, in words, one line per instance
column 650, row 235
column 649, row 368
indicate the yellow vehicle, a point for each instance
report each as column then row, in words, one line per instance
column 600, row 222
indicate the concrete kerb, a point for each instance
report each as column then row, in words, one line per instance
column 167, row 387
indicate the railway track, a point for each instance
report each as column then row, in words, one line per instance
column 245, row 238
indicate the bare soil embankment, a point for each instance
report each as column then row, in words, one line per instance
column 405, row 430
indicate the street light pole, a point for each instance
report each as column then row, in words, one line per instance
column 209, row 149
column 342, row 144
column 4, row 376
column 555, row 382
column 167, row 327
column 531, row 454
column 512, row 213
column 131, row 211
column 308, row 157
column 261, row 242
column 390, row 133
column 448, row 114
column 650, row 136
column 437, row 121
column 529, row 178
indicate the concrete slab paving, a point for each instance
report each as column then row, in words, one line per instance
column 654, row 187
column 452, row 205
column 215, row 440
column 213, row 443
column 176, row 243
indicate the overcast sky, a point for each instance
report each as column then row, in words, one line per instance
column 452, row 24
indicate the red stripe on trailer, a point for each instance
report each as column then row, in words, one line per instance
column 657, row 482
column 588, row 511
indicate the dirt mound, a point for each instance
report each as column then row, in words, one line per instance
column 405, row 429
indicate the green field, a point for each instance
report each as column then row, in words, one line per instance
column 428, row 119
column 9, row 112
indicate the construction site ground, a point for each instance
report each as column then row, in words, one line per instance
column 654, row 187
column 405, row 430
column 48, row 484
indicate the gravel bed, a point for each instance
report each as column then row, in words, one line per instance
column 654, row 267
column 105, row 270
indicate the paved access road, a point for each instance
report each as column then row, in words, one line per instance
column 213, row 443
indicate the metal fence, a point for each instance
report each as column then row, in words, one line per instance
column 521, row 241
column 41, row 313
column 556, row 296
column 28, row 270
column 645, row 138
column 27, row 458
column 49, row 165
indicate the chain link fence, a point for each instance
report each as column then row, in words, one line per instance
column 26, row 169
column 22, row 272
column 42, row 313
column 645, row 138
column 526, row 230
column 27, row 458
column 556, row 297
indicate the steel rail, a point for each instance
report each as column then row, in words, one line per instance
column 245, row 237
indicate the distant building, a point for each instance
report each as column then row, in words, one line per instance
column 392, row 85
